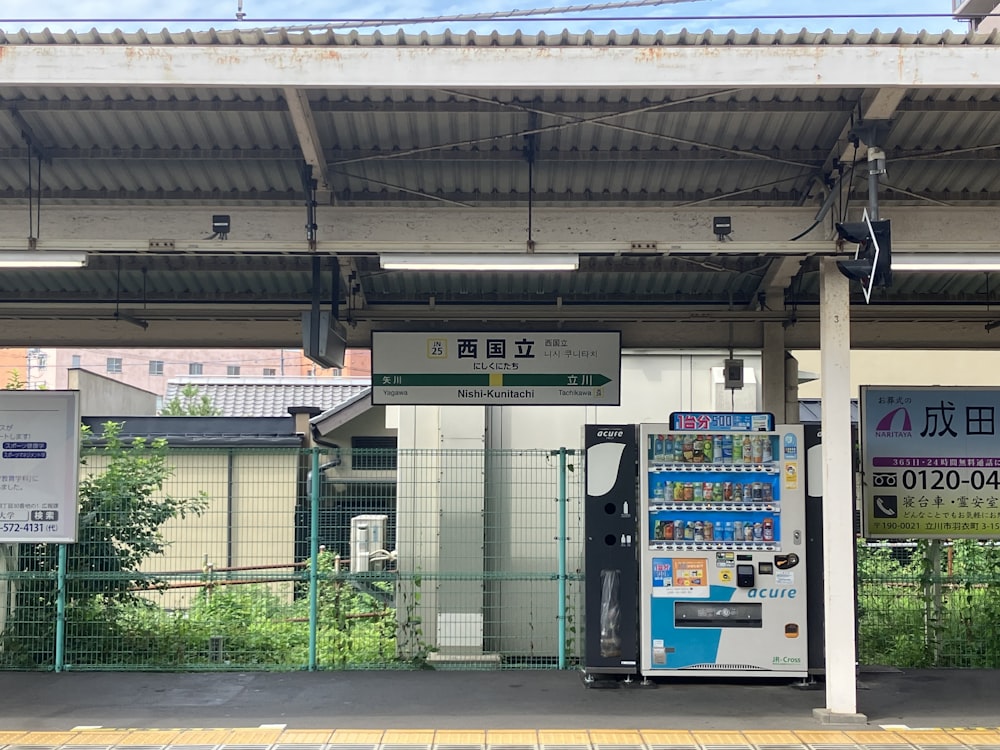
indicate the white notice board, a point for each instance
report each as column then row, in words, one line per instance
column 39, row 465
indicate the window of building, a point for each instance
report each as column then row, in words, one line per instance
column 373, row 452
column 232, row 370
column 74, row 360
column 156, row 367
column 114, row 364
column 194, row 368
column 270, row 372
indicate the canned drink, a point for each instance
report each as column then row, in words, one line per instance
column 699, row 531
column 748, row 532
column 767, row 492
column 718, row 492
column 699, row 492
column 727, row 492
column 688, row 491
column 768, row 529
column 689, row 532
column 748, row 493
column 667, row 530
column 757, row 492
column 677, row 491
column 708, row 491
column 738, row 531
column 709, row 530
column 758, row 532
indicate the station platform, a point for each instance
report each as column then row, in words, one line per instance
column 503, row 710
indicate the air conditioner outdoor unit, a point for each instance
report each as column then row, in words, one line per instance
column 367, row 537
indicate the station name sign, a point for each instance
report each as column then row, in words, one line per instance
column 497, row 368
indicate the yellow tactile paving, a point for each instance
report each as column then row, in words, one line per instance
column 825, row 737
column 7, row 738
column 202, row 737
column 976, row 737
column 668, row 737
column 925, row 736
column 562, row 737
column 357, row 737
column 614, row 737
column 876, row 738
column 408, row 737
column 720, row 738
column 756, row 737
column 306, row 736
column 154, row 737
column 47, row 738
column 257, row 736
column 459, row 737
column 102, row 737
column 511, row 737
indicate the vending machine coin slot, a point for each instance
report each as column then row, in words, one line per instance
column 744, row 576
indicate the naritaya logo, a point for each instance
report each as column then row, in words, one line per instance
column 885, row 429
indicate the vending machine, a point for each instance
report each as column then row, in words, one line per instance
column 722, row 552
column 612, row 580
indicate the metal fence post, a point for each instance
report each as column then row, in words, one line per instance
column 61, row 609
column 562, row 558
column 313, row 556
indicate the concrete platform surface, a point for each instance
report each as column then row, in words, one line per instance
column 313, row 706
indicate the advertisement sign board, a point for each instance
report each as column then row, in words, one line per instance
column 930, row 462
column 497, row 368
column 39, row 465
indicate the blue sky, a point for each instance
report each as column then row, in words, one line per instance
column 697, row 15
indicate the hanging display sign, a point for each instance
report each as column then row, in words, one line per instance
column 39, row 465
column 497, row 369
column 930, row 462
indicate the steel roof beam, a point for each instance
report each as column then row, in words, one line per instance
column 452, row 106
column 309, row 140
column 628, row 67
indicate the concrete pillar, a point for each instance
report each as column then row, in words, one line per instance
column 838, row 513
column 773, row 371
column 792, row 415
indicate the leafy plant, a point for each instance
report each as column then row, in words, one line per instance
column 120, row 526
column 190, row 403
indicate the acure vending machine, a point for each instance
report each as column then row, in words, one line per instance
column 722, row 553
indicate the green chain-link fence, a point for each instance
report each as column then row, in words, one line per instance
column 289, row 559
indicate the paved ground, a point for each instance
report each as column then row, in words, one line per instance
column 478, row 702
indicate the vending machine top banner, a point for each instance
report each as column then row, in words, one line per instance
column 722, row 421
column 931, row 462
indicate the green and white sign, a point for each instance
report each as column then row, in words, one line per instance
column 930, row 462
column 39, row 465
column 497, row 369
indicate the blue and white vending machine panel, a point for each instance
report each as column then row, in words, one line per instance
column 722, row 558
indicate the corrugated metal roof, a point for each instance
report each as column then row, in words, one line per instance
column 390, row 146
column 494, row 39
column 268, row 397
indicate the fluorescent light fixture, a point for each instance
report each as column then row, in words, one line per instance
column 954, row 262
column 480, row 262
column 42, row 259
